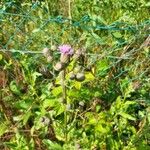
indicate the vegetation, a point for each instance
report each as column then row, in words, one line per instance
column 74, row 75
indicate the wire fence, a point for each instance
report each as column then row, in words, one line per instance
column 28, row 32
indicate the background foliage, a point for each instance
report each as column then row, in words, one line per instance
column 109, row 109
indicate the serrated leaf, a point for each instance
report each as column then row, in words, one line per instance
column 26, row 117
column 59, row 108
column 3, row 128
column 57, row 90
column 89, row 76
column 77, row 85
column 49, row 103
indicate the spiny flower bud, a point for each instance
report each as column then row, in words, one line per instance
column 53, row 47
column 45, row 120
column 81, row 103
column 46, row 52
column 77, row 54
column 80, row 77
column 64, row 58
column 59, row 66
column 49, row 59
column 72, row 76
column 68, row 107
column 77, row 69
column 88, row 68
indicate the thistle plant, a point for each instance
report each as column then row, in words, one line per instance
column 67, row 55
column 66, row 51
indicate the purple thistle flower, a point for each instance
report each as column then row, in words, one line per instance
column 66, row 49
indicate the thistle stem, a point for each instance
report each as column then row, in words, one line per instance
column 63, row 73
column 69, row 9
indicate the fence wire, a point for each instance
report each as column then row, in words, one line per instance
column 28, row 32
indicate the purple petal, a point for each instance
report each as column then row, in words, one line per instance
column 66, row 49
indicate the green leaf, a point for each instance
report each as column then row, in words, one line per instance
column 14, row 88
column 117, row 35
column 23, row 104
column 52, row 145
column 118, row 102
column 89, row 76
column 77, row 85
column 147, row 4
column 1, row 57
column 49, row 103
column 59, row 108
column 57, row 90
column 3, row 128
column 102, row 67
column 148, row 117
column 26, row 116
column 92, row 121
column 35, row 75
column 127, row 116
column 97, row 38
column 128, row 103
column 102, row 128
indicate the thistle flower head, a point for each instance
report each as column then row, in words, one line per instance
column 65, row 49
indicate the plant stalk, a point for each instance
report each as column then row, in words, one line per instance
column 69, row 9
column 63, row 73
